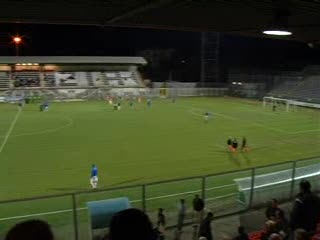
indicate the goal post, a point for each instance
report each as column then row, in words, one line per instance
column 286, row 103
column 290, row 105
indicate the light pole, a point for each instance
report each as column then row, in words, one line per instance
column 17, row 41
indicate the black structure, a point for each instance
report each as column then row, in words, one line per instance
column 248, row 17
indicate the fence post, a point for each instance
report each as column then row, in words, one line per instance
column 75, row 217
column 294, row 166
column 203, row 188
column 253, row 171
column 144, row 197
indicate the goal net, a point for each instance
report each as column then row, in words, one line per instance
column 287, row 104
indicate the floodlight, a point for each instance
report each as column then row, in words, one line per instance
column 278, row 32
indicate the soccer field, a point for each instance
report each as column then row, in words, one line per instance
column 52, row 152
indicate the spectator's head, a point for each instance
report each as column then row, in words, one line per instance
column 93, row 165
column 210, row 216
column 301, row 234
column 241, row 230
column 30, row 230
column 275, row 236
column 305, row 186
column 196, row 196
column 130, row 224
column 202, row 238
column 160, row 210
column 270, row 226
column 280, row 215
column 274, row 203
column 182, row 201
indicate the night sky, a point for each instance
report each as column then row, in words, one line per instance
column 108, row 41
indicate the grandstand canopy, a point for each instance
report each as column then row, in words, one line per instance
column 248, row 17
column 72, row 60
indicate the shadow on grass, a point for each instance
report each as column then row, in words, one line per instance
column 245, row 155
column 233, row 157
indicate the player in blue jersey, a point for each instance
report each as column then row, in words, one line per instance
column 94, row 176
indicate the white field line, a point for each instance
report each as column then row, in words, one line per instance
column 13, row 123
column 133, row 201
column 70, row 123
column 214, row 113
column 191, row 110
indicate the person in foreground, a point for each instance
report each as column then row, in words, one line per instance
column 131, row 224
column 30, row 230
column 306, row 209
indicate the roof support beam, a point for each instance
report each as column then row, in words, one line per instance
column 138, row 10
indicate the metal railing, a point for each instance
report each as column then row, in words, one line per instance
column 67, row 213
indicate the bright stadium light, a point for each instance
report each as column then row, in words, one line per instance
column 277, row 32
column 234, row 83
column 239, row 83
column 17, row 40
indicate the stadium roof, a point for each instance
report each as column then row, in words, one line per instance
column 72, row 59
column 248, row 17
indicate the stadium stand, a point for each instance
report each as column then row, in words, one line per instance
column 26, row 79
column 306, row 90
column 301, row 86
column 49, row 79
column 89, row 79
column 66, row 79
column 4, row 80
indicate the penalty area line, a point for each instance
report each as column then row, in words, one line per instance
column 13, row 123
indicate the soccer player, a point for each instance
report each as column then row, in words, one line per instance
column 229, row 143
column 149, row 103
column 234, row 145
column 206, row 117
column 244, row 145
column 94, row 176
column 119, row 105
column 274, row 107
column 130, row 103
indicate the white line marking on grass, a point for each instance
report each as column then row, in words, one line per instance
column 13, row 123
column 133, row 201
column 214, row 113
column 305, row 131
column 70, row 123
column 40, row 214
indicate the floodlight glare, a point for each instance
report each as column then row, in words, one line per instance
column 234, row 83
column 17, row 40
column 277, row 32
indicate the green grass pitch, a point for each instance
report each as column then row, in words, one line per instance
column 51, row 152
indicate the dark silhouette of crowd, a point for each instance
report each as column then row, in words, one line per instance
column 304, row 222
column 27, row 82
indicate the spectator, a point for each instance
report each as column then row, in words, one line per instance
column 282, row 224
column 275, row 236
column 242, row 235
column 272, row 209
column 270, row 228
column 181, row 214
column 161, row 224
column 306, row 209
column 205, row 227
column 301, row 234
column 131, row 224
column 30, row 230
column 198, row 207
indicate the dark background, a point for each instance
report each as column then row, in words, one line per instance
column 167, row 51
